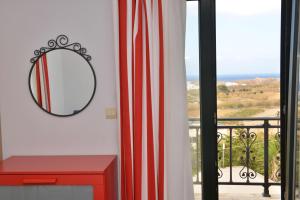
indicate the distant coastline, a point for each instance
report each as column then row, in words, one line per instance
column 236, row 77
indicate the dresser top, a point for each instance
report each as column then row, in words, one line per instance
column 56, row 164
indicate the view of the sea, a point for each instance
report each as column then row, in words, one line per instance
column 236, row 77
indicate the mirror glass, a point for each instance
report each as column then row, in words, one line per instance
column 62, row 82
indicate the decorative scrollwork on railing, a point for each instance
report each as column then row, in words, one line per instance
column 220, row 173
column 247, row 138
column 61, row 42
column 278, row 174
column 245, row 173
column 219, row 139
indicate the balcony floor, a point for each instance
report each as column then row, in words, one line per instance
column 243, row 192
column 238, row 192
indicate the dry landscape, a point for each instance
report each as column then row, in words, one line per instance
column 245, row 98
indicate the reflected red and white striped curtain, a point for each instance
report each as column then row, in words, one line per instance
column 41, row 83
column 154, row 145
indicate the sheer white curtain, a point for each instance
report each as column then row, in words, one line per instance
column 178, row 158
column 155, row 161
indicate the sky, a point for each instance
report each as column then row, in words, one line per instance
column 248, row 37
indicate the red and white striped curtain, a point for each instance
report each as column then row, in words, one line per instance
column 155, row 162
column 40, row 82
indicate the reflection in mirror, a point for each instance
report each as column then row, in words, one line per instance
column 62, row 82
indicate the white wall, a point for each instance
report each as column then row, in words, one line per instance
column 28, row 25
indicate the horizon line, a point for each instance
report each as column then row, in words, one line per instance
column 239, row 74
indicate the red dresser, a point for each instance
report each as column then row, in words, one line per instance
column 97, row 172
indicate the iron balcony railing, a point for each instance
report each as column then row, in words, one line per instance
column 250, row 146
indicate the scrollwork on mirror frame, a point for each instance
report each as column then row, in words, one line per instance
column 61, row 42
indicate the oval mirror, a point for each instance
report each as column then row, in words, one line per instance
column 62, row 81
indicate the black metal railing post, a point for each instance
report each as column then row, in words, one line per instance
column 230, row 155
column 266, row 159
column 248, row 154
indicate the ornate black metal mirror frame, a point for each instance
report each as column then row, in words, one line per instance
column 62, row 42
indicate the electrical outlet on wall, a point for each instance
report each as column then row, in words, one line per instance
column 111, row 113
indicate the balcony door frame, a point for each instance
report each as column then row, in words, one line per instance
column 208, row 93
column 286, row 10
column 208, row 98
column 293, row 99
